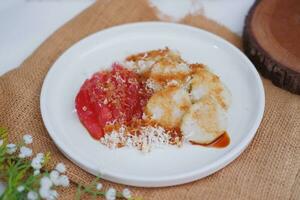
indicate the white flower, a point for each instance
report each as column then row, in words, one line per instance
column 36, row 172
column 37, row 161
column 99, row 186
column 64, row 181
column 60, row 167
column 126, row 193
column 32, row 195
column 110, row 194
column 46, row 182
column 40, row 155
column 11, row 148
column 58, row 180
column 48, row 194
column 52, row 195
column 25, row 152
column 20, row 188
column 54, row 176
column 27, row 139
column 44, row 192
column 1, row 142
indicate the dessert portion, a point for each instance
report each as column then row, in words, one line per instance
column 205, row 83
column 152, row 99
column 204, row 121
column 167, row 106
column 115, row 97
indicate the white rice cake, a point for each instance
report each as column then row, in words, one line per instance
column 204, row 122
column 205, row 83
column 167, row 106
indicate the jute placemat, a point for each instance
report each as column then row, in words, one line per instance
column 268, row 169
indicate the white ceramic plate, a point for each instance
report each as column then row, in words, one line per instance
column 161, row 167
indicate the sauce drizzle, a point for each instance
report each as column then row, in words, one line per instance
column 221, row 142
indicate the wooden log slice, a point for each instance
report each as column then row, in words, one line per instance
column 272, row 41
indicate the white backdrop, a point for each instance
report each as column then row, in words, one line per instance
column 25, row 24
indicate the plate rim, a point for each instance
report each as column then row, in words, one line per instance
column 169, row 180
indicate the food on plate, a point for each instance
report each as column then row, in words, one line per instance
column 167, row 106
column 152, row 99
column 115, row 96
column 161, row 67
column 204, row 121
column 205, row 83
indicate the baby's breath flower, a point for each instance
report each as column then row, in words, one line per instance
column 40, row 155
column 99, row 186
column 11, row 148
column 64, row 181
column 44, row 192
column 48, row 194
column 126, row 193
column 60, row 167
column 20, row 188
column 32, row 195
column 54, row 176
column 25, row 152
column 46, row 182
column 27, row 139
column 53, row 195
column 37, row 161
column 1, row 142
column 110, row 194
column 36, row 172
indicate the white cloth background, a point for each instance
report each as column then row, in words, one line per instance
column 25, row 24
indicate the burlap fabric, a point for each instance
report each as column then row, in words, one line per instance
column 268, row 169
